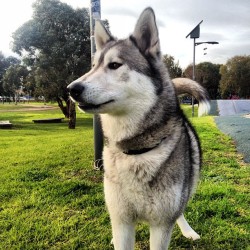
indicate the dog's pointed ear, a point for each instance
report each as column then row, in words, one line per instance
column 146, row 33
column 102, row 35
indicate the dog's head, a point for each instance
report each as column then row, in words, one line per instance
column 125, row 72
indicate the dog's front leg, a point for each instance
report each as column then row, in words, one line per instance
column 123, row 227
column 123, row 235
column 160, row 236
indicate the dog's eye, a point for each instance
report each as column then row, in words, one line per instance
column 114, row 65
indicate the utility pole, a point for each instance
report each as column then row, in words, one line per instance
column 95, row 13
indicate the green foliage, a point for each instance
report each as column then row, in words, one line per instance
column 5, row 63
column 14, row 78
column 174, row 68
column 57, row 40
column 51, row 198
column 235, row 75
column 208, row 75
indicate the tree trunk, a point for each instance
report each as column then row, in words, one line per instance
column 65, row 110
column 72, row 114
column 69, row 111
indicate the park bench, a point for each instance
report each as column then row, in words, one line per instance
column 5, row 124
column 48, row 120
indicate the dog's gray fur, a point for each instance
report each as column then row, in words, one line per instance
column 152, row 157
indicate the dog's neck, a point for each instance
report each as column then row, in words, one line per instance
column 119, row 128
column 151, row 137
column 129, row 135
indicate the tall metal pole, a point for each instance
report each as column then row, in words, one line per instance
column 95, row 13
column 193, row 79
column 195, row 33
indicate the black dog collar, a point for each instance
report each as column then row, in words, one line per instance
column 142, row 150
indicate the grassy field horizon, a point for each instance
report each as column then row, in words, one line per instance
column 52, row 198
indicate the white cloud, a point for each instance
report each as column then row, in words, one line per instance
column 225, row 21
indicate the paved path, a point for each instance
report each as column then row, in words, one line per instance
column 234, row 120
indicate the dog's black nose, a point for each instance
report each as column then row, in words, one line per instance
column 75, row 89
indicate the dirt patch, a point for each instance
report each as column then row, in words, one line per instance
column 30, row 108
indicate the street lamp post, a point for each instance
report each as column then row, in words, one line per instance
column 195, row 33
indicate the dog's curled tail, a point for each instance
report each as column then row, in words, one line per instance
column 188, row 86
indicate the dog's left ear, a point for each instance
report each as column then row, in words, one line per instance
column 102, row 35
column 146, row 33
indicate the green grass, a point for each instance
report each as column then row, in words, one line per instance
column 51, row 198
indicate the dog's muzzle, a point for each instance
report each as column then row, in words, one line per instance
column 75, row 90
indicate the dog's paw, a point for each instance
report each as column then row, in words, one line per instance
column 191, row 234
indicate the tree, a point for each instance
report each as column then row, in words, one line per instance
column 188, row 72
column 208, row 75
column 173, row 67
column 57, row 41
column 2, row 70
column 14, row 80
column 4, row 65
column 235, row 75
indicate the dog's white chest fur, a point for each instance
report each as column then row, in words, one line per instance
column 128, row 187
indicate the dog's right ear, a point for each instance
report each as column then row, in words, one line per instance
column 102, row 35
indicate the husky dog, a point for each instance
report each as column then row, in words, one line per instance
column 152, row 154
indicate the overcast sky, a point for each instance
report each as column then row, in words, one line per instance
column 224, row 21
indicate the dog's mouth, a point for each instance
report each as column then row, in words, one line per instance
column 90, row 106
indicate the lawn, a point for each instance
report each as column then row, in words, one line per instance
column 52, row 198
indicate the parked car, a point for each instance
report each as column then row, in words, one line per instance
column 5, row 99
column 187, row 100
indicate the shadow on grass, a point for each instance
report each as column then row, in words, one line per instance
column 24, row 121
